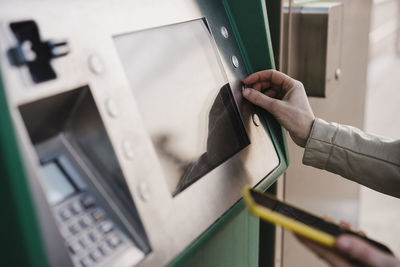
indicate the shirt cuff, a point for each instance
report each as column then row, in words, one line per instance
column 319, row 144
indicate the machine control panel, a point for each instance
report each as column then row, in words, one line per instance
column 92, row 236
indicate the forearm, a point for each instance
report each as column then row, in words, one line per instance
column 349, row 152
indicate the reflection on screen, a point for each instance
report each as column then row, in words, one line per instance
column 184, row 99
column 56, row 184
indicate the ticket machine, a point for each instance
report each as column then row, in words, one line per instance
column 124, row 138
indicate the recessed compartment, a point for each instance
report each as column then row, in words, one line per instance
column 83, row 182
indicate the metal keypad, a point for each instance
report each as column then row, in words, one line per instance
column 92, row 237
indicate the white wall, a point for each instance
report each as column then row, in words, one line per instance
column 380, row 214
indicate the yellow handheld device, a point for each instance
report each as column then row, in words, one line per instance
column 300, row 222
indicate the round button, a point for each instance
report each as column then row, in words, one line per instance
column 144, row 191
column 235, row 61
column 112, row 108
column 256, row 120
column 95, row 64
column 224, row 32
column 128, row 150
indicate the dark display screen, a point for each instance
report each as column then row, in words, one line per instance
column 56, row 184
column 184, row 98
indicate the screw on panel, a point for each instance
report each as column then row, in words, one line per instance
column 224, row 32
column 95, row 64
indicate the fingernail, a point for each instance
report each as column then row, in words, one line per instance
column 343, row 243
column 246, row 92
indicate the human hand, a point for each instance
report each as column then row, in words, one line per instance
column 285, row 99
column 351, row 251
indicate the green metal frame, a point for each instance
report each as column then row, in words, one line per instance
column 232, row 241
column 249, row 21
column 21, row 243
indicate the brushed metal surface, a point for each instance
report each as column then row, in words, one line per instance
column 172, row 223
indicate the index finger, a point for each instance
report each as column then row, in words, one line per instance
column 275, row 77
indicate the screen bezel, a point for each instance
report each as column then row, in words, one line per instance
column 200, row 205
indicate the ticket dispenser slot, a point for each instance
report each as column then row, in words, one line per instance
column 83, row 183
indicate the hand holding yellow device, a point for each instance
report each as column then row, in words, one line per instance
column 300, row 222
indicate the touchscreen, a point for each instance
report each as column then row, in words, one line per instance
column 184, row 99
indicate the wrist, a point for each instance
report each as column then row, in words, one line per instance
column 308, row 131
column 301, row 139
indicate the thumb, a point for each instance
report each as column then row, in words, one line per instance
column 363, row 252
column 270, row 104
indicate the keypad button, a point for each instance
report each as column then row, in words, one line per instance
column 98, row 214
column 106, row 226
column 74, row 229
column 86, row 261
column 113, row 240
column 88, row 202
column 76, row 207
column 65, row 214
column 74, row 247
column 85, row 242
column 96, row 255
column 85, row 221
column 105, row 249
column 95, row 235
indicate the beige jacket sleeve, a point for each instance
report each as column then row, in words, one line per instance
column 366, row 159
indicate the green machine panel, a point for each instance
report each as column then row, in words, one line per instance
column 124, row 138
